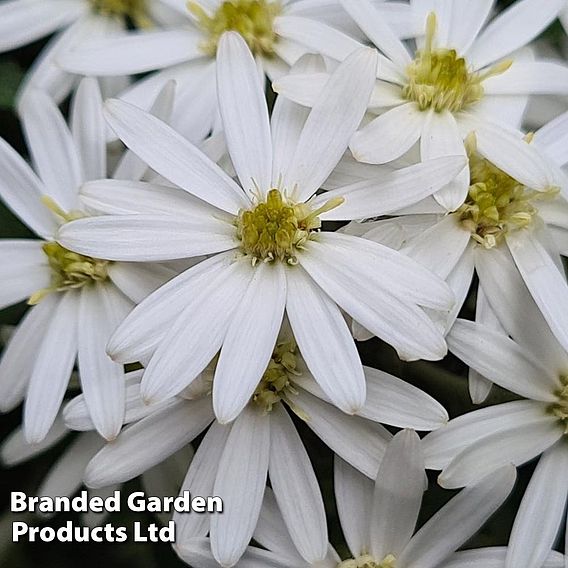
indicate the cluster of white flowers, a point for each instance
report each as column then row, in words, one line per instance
column 189, row 266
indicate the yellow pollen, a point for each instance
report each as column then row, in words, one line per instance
column 276, row 229
column 253, row 19
column 496, row 202
column 276, row 383
column 439, row 79
column 134, row 10
column 560, row 408
column 367, row 561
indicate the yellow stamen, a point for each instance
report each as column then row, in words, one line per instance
column 367, row 561
column 560, row 408
column 134, row 10
column 252, row 19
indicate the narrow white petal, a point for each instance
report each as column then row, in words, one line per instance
column 467, row 20
column 148, row 442
column 457, row 521
column 354, row 497
column 398, row 495
column 240, row 481
column 147, row 237
column 530, row 78
column 172, row 156
column 395, row 402
column 512, row 29
column 296, row 488
column 545, row 282
column 101, row 309
column 516, row 446
column 553, row 138
column 250, row 340
column 89, row 129
column 542, row 506
column 325, row 341
column 50, row 373
column 334, row 118
column 53, row 149
column 242, row 105
column 502, row 361
column 389, row 136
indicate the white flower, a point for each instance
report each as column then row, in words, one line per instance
column 378, row 519
column 510, row 230
column 456, row 73
column 534, row 367
column 80, row 300
column 234, row 461
column 267, row 253
column 186, row 49
column 494, row 557
column 76, row 21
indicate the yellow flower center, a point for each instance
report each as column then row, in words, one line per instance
column 134, row 10
column 276, row 383
column 441, row 80
column 277, row 229
column 253, row 19
column 560, row 408
column 496, row 202
column 367, row 561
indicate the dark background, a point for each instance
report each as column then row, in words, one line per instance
column 445, row 381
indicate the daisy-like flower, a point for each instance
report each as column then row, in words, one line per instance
column 75, row 21
column 511, row 226
column 186, row 49
column 458, row 71
column 533, row 366
column 234, row 461
column 78, row 300
column 378, row 518
column 267, row 252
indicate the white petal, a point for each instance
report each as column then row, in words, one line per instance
column 553, row 139
column 145, row 327
column 543, row 279
column 197, row 334
column 334, row 118
column 354, row 498
column 502, row 361
column 53, row 149
column 240, row 482
column 389, row 136
column 467, row 20
column 296, row 488
column 50, row 374
column 244, row 112
column 542, row 506
column 148, row 442
column 24, row 21
column 359, row 442
column 250, row 340
column 442, row 446
column 135, row 52
column 147, row 237
column 457, row 521
column 101, row 309
column 441, row 137
column 389, row 192
column 21, row 190
column 398, row 495
column 325, row 341
column 89, row 129
column 395, row 402
column 173, row 157
column 530, row 78
column 513, row 28
column 517, row 446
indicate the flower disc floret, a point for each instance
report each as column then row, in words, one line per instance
column 252, row 19
column 276, row 228
column 134, row 10
column 70, row 270
column 496, row 203
column 276, row 383
column 367, row 561
column 440, row 79
column 560, row 408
